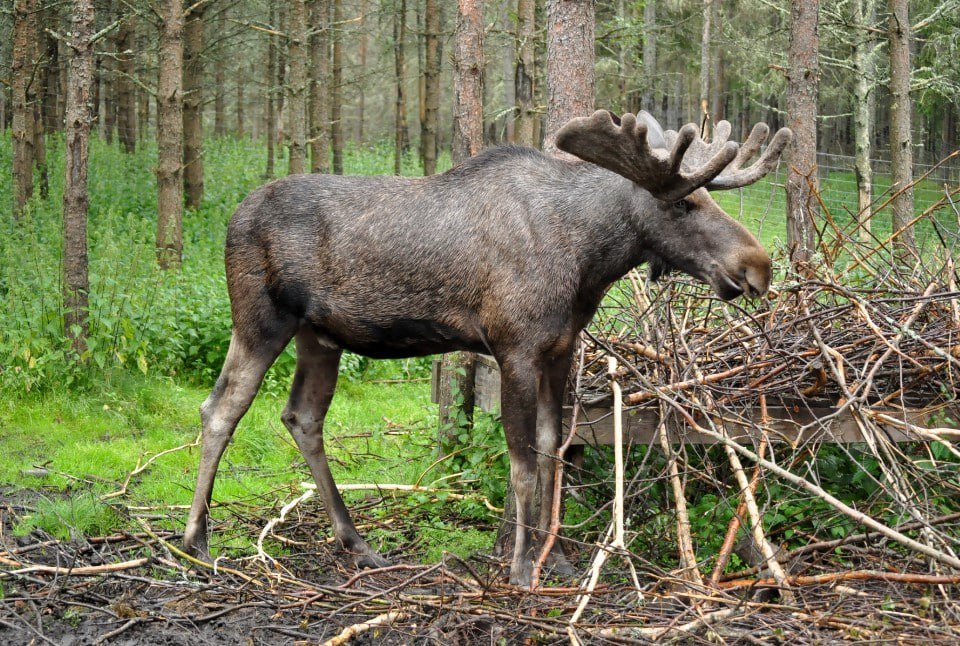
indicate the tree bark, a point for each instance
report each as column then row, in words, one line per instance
column 705, row 59
column 901, row 143
column 864, row 65
column 803, row 82
column 400, row 105
column 570, row 64
column 336, row 96
column 362, row 64
column 241, row 118
column 76, row 284
column 39, row 140
column 52, row 92
column 271, row 126
column 143, row 95
column 297, row 87
column 431, row 86
column 524, row 73
column 22, row 69
column 219, row 80
column 126, row 94
column 108, row 86
column 319, row 73
column 193, row 106
column 649, row 100
column 170, row 137
column 468, row 81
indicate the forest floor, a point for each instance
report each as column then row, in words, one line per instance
column 135, row 588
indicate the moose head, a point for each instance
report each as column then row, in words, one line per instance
column 509, row 254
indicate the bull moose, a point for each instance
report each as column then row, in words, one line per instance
column 508, row 254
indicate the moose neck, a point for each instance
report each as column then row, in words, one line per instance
column 603, row 217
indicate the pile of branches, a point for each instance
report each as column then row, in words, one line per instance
column 865, row 338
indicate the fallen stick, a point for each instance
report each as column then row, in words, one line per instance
column 350, row 632
column 855, row 575
column 75, row 571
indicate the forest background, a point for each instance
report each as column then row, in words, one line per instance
column 192, row 105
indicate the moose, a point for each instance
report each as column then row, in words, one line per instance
column 507, row 254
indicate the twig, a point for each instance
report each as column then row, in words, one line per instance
column 350, row 632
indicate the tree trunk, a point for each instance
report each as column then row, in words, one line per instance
column 108, row 86
column 400, row 106
column 170, row 137
column 143, row 95
column 75, row 202
column 126, row 94
column 570, row 64
column 319, row 73
column 39, row 139
column 468, row 80
column 717, row 111
column 193, row 106
column 271, row 126
column 362, row 72
column 901, row 151
column 525, row 72
column 22, row 68
column 431, row 86
column 458, row 370
column 864, row 65
column 508, row 57
column 649, row 100
column 241, row 120
column 705, row 65
column 219, row 80
column 336, row 97
column 297, row 87
column 803, row 82
column 52, row 95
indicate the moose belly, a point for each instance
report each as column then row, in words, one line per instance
column 400, row 338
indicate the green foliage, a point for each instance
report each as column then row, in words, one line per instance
column 141, row 318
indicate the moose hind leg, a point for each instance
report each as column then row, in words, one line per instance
column 313, row 385
column 237, row 385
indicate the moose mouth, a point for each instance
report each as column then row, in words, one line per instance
column 724, row 285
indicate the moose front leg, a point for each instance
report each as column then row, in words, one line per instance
column 550, row 396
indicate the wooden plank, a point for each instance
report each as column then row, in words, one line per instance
column 786, row 423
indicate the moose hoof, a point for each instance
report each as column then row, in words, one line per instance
column 371, row 561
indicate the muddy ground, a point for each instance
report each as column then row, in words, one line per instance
column 136, row 589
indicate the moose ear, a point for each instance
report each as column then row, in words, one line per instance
column 655, row 137
column 614, row 118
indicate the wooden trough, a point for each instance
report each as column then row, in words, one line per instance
column 788, row 423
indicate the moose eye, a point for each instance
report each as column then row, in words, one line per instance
column 681, row 205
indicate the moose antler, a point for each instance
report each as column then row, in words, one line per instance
column 670, row 164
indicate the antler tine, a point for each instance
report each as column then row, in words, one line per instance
column 766, row 162
column 625, row 150
column 751, row 146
